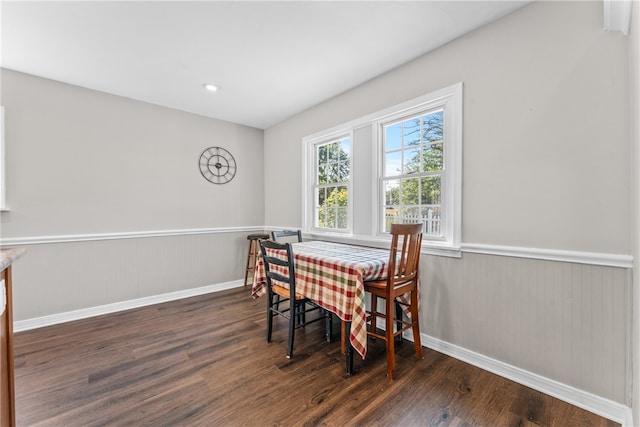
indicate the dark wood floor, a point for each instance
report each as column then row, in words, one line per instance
column 204, row 361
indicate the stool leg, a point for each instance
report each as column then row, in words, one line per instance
column 249, row 252
column 254, row 257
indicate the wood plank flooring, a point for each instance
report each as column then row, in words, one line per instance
column 204, row 361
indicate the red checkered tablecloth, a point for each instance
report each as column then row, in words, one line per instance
column 333, row 275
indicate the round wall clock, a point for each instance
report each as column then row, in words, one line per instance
column 217, row 165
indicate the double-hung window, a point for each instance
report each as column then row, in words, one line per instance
column 402, row 164
column 413, row 154
column 332, row 173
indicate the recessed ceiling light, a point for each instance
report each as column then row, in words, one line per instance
column 210, row 87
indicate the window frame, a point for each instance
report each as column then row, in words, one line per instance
column 450, row 100
column 309, row 196
column 383, row 178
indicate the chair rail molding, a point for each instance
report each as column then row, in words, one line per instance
column 579, row 257
column 593, row 258
column 617, row 15
column 71, row 238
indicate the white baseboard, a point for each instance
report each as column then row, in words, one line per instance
column 590, row 402
column 598, row 405
column 53, row 319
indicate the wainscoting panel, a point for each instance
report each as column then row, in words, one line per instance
column 55, row 278
column 567, row 322
column 561, row 322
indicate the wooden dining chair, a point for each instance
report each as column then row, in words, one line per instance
column 404, row 259
column 280, row 275
column 290, row 236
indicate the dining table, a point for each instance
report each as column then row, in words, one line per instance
column 332, row 275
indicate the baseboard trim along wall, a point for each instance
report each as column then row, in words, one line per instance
column 54, row 319
column 606, row 408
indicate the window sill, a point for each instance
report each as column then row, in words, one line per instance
column 428, row 248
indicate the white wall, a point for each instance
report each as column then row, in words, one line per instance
column 545, row 129
column 83, row 166
column 546, row 166
column 80, row 161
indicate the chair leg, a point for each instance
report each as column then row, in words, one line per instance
column 390, row 339
column 295, row 311
column 328, row 325
column 349, row 347
column 398, row 318
column 299, row 313
column 292, row 326
column 269, row 315
column 374, row 310
column 415, row 324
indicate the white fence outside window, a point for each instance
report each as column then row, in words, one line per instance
column 431, row 221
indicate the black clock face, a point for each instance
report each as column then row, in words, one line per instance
column 217, row 165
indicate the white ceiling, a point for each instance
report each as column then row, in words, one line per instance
column 270, row 59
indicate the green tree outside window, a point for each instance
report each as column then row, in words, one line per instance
column 332, row 194
column 414, row 159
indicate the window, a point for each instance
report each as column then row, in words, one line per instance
column 331, row 184
column 401, row 164
column 412, row 173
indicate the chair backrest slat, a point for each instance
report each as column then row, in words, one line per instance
column 290, row 236
column 279, row 269
column 404, row 259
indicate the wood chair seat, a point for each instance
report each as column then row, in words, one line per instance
column 379, row 287
column 285, row 293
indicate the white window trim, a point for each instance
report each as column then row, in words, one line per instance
column 309, row 174
column 451, row 98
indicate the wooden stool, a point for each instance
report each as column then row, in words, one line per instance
column 252, row 255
